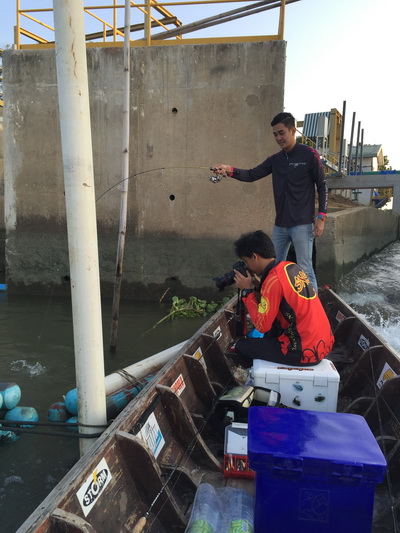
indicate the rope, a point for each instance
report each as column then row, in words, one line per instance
column 22, row 423
column 136, row 382
column 33, row 431
column 18, row 426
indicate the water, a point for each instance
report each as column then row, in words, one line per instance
column 373, row 290
column 36, row 352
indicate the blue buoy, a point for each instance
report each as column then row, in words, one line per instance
column 58, row 412
column 8, row 436
column 71, row 401
column 11, row 394
column 119, row 399
column 115, row 401
column 22, row 414
column 1, row 401
column 73, row 420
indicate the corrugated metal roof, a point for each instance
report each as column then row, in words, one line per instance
column 310, row 124
column 369, row 150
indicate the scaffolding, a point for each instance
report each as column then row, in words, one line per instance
column 155, row 25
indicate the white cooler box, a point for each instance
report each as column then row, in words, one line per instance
column 314, row 388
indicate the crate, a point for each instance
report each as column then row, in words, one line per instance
column 313, row 388
column 236, row 462
column 315, row 471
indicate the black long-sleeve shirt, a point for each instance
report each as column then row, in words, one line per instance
column 295, row 175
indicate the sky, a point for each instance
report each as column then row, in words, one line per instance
column 337, row 50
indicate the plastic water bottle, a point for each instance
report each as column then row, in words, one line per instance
column 239, row 510
column 207, row 515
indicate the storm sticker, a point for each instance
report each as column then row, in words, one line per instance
column 94, row 486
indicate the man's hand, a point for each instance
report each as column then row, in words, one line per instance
column 243, row 282
column 319, row 226
column 221, row 169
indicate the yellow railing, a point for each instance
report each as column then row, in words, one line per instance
column 156, row 24
column 333, row 158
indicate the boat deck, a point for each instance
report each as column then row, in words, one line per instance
column 170, row 437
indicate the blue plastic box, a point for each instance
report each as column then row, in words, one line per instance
column 315, row 471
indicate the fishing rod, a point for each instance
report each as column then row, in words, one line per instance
column 214, row 179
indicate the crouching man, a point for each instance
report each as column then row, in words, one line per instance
column 282, row 304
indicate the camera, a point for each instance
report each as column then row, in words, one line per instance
column 229, row 277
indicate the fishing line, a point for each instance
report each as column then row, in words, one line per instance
column 146, row 172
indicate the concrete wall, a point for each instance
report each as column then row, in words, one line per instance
column 191, row 106
column 351, row 236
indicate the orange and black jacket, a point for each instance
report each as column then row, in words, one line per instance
column 289, row 308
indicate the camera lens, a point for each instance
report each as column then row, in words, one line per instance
column 229, row 278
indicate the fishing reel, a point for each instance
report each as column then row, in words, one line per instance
column 217, row 177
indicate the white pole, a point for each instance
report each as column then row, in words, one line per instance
column 76, row 140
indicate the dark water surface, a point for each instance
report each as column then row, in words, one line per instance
column 36, row 352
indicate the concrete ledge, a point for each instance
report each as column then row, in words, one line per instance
column 350, row 236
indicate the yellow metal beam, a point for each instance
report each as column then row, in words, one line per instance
column 150, row 21
column 134, row 27
column 209, row 40
column 32, row 36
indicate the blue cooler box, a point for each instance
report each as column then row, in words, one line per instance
column 315, row 471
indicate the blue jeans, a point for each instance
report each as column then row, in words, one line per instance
column 302, row 238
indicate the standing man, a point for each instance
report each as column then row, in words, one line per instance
column 296, row 172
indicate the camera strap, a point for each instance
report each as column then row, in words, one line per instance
column 240, row 316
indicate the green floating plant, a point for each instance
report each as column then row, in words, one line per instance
column 191, row 308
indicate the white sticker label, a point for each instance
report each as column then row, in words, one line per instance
column 179, row 385
column 340, row 316
column 217, row 333
column 386, row 374
column 93, row 487
column 151, row 434
column 363, row 342
column 198, row 354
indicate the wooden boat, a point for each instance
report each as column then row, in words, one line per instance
column 143, row 472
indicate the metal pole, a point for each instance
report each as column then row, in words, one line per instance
column 281, row 26
column 351, row 143
column 342, row 138
column 76, row 140
column 361, row 150
column 125, row 181
column 358, row 140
